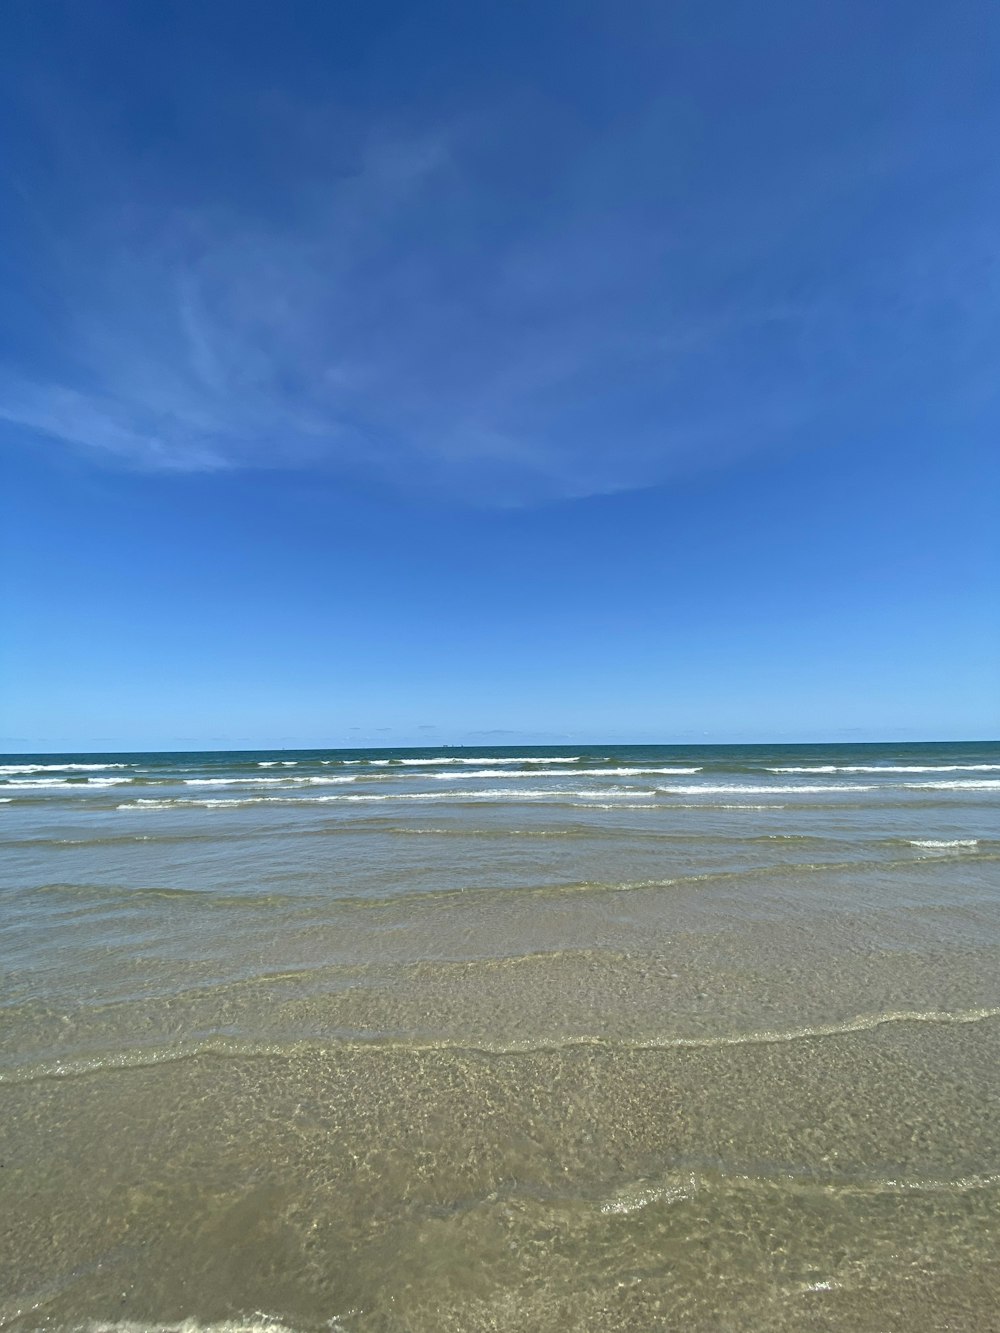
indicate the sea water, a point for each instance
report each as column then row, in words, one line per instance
column 591, row 1037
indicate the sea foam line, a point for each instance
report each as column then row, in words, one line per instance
column 956, row 784
column 554, row 795
column 293, row 779
column 680, row 1187
column 891, row 768
column 6, row 769
column 42, row 784
column 561, row 773
column 952, row 784
column 259, row 1323
column 943, row 844
column 290, row 780
column 465, row 759
column 235, row 1048
column 771, row 789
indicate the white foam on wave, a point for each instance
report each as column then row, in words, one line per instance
column 207, row 803
column 943, row 844
column 749, row 789
column 563, row 773
column 279, row 763
column 482, row 761
column 288, row 781
column 641, row 772
column 8, row 769
column 814, row 768
column 633, row 804
column 493, row 794
column 956, row 784
column 483, row 794
column 68, row 784
column 632, row 1200
column 946, row 784
column 804, row 788
column 258, row 1323
column 891, row 768
column 236, row 1048
column 740, row 805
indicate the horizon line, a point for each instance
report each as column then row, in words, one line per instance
column 553, row 745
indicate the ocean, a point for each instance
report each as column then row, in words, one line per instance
column 602, row 1037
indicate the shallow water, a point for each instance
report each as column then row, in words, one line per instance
column 612, row 1037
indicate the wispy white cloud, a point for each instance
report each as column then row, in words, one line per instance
column 378, row 319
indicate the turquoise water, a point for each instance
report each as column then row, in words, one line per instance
column 555, row 1038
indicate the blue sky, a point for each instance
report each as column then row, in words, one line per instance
column 377, row 373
